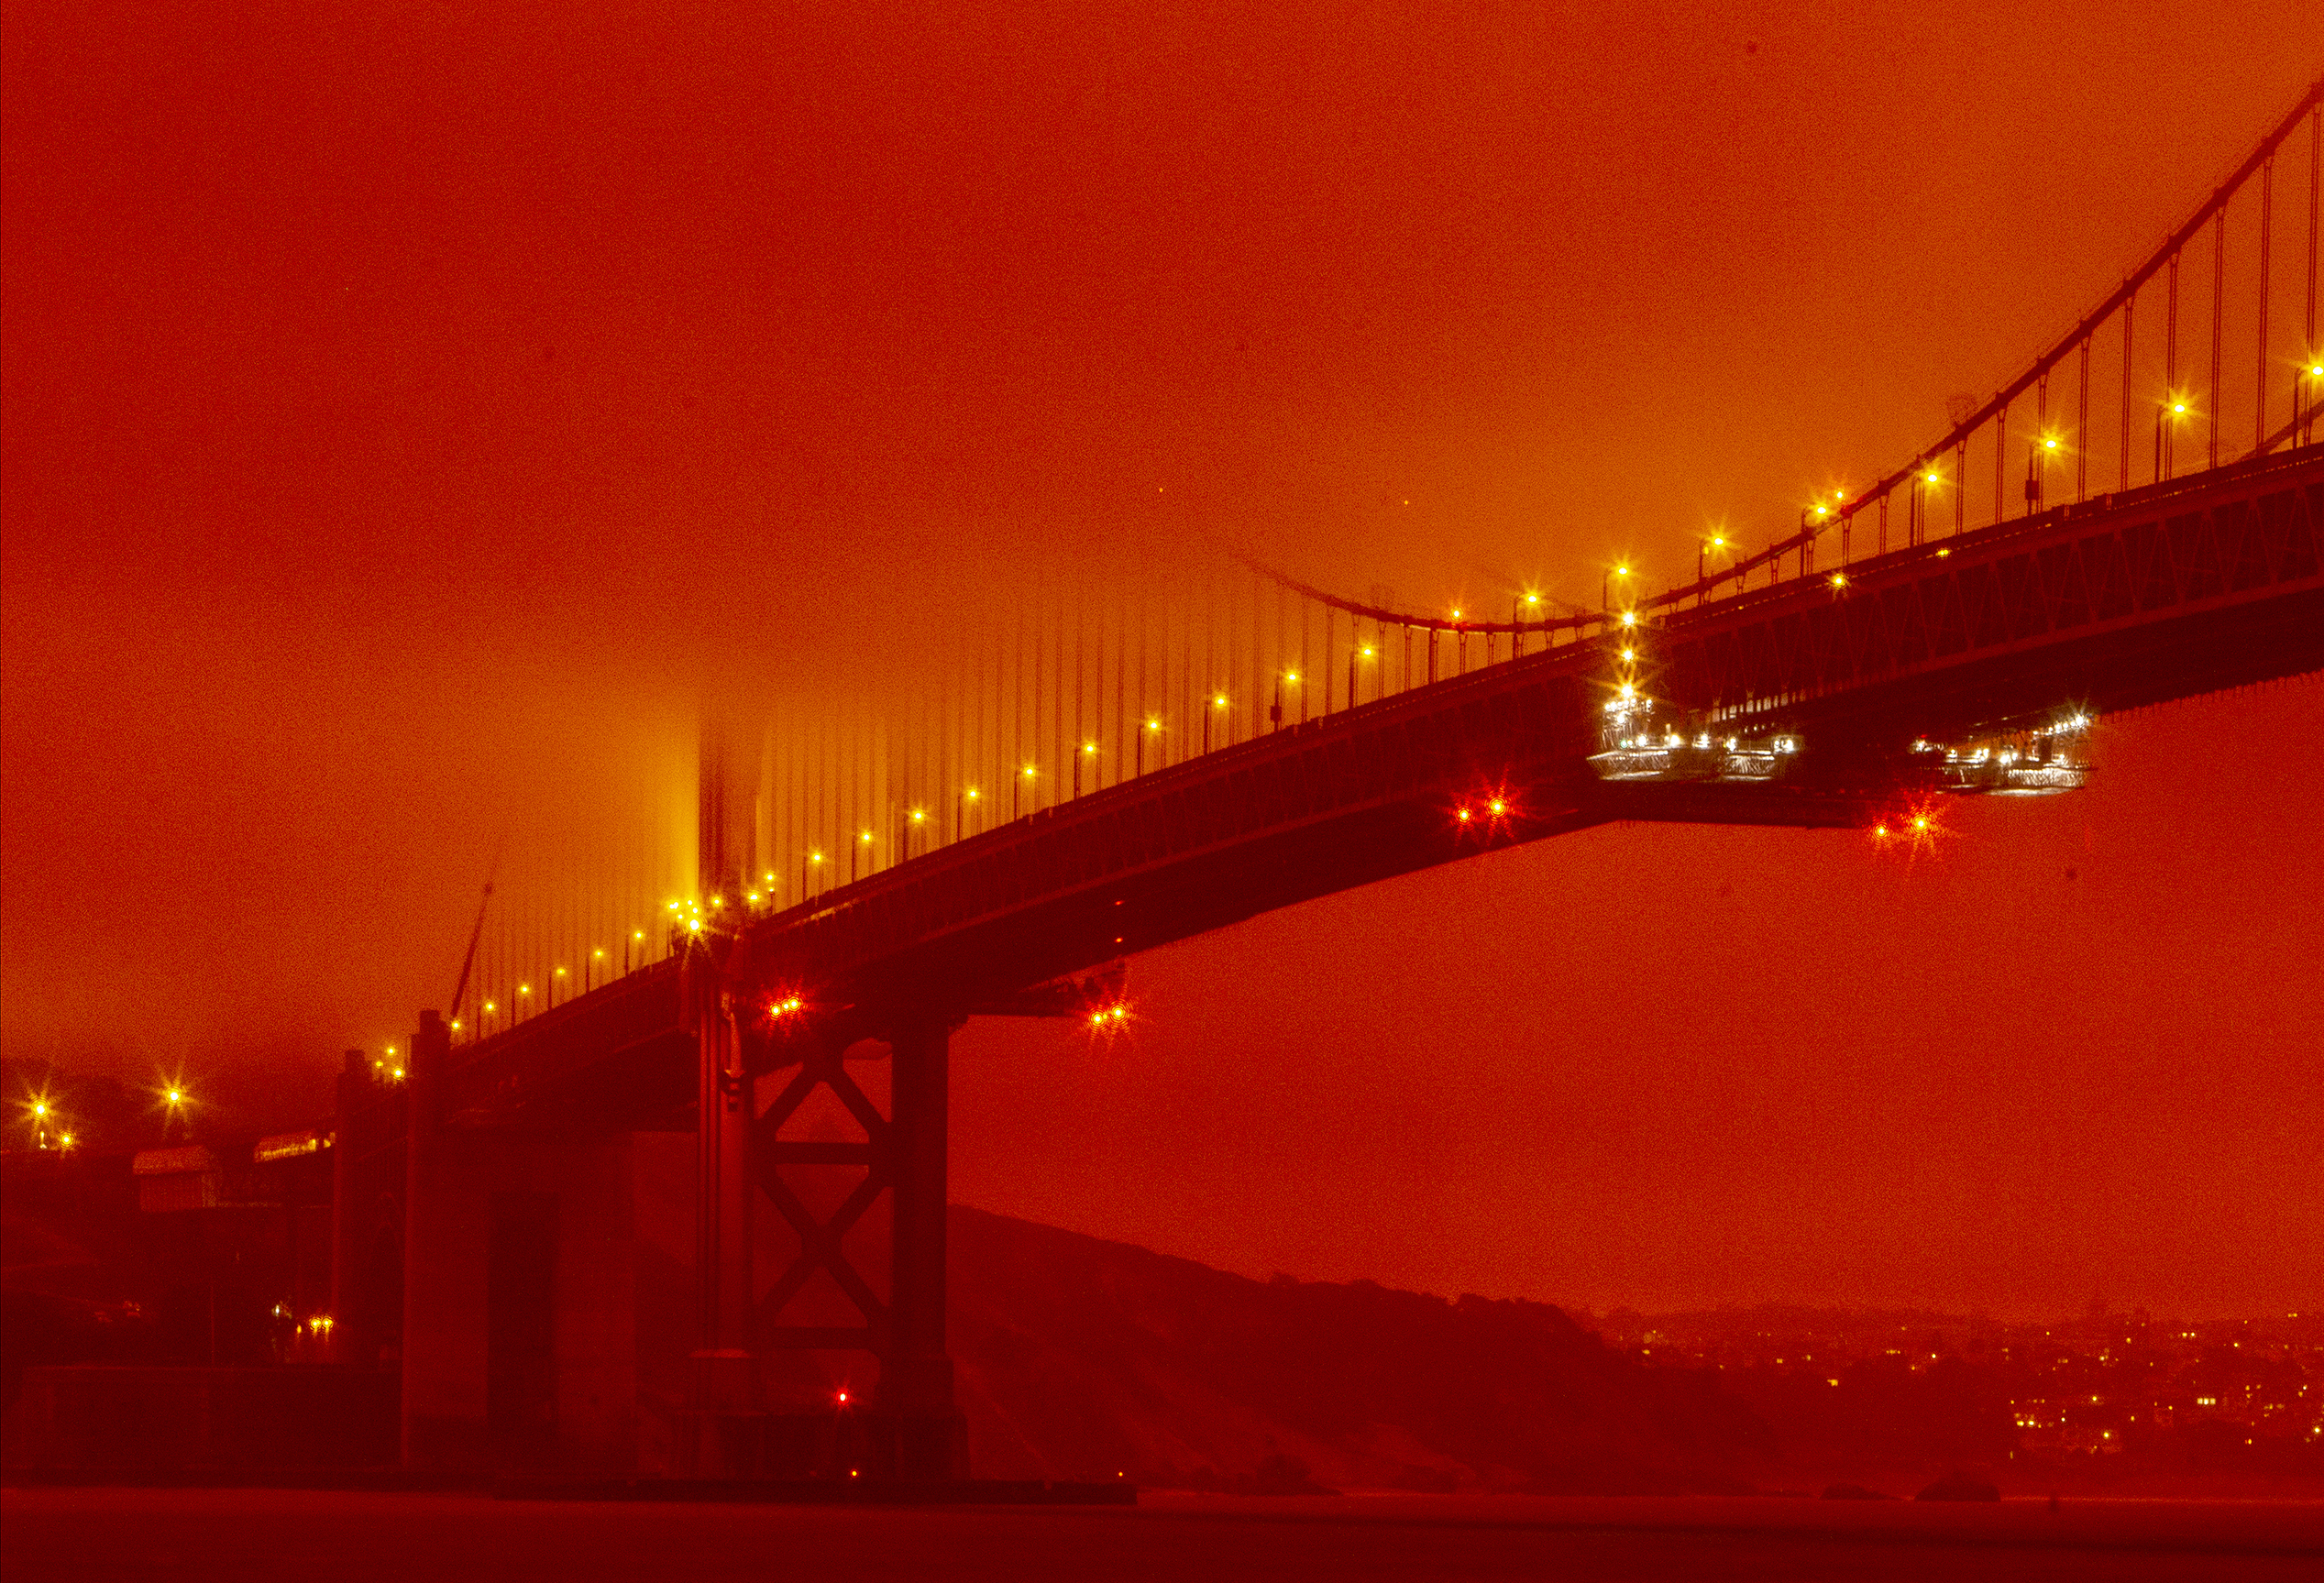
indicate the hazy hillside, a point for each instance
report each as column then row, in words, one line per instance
column 1079, row 1358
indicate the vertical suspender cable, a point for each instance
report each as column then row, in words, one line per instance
column 2082, row 428
column 2001, row 462
column 2170, row 375
column 2309, row 351
column 2219, row 321
column 2267, row 216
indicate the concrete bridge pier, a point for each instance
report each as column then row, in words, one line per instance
column 921, row 1432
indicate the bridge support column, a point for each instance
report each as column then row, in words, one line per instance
column 347, row 1343
column 923, row 1433
column 725, row 1384
column 436, row 1412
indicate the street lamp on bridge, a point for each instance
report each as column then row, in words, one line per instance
column 2037, row 454
column 1702, row 554
column 2168, row 415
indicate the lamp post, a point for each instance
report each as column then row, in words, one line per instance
column 2166, row 416
column 1217, row 707
column 1808, row 531
column 2036, row 453
column 1702, row 568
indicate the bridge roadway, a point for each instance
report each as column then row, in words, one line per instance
column 2204, row 583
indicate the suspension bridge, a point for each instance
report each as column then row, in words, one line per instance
column 2134, row 517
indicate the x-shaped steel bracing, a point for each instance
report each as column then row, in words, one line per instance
column 820, row 1240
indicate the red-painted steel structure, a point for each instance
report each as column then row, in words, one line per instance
column 1826, row 688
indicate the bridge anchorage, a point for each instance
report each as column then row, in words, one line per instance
column 754, row 1106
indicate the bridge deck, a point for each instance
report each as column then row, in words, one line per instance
column 2208, row 582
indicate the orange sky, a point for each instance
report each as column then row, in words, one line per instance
column 405, row 413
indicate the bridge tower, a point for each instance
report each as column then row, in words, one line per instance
column 724, row 1391
column 914, row 1429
